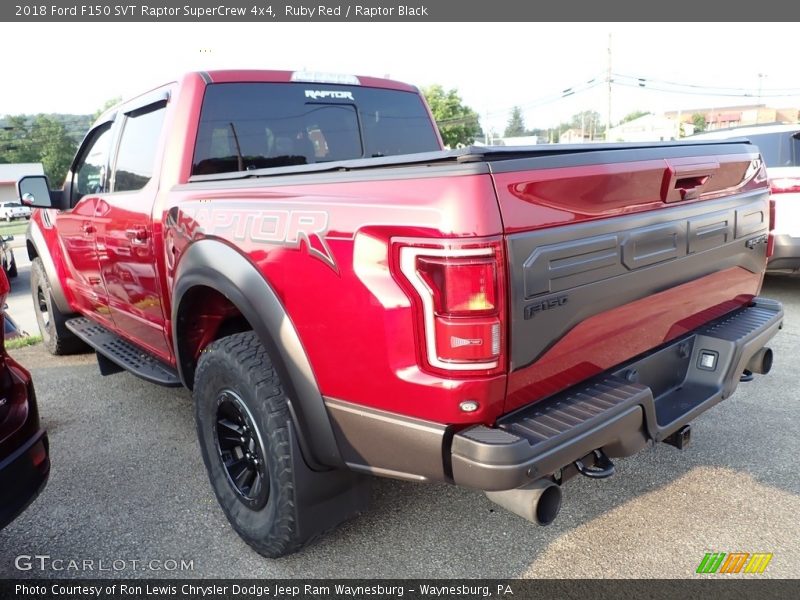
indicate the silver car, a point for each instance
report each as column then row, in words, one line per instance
column 780, row 148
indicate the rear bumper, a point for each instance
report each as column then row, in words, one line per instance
column 22, row 476
column 786, row 255
column 619, row 411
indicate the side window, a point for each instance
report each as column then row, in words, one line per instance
column 90, row 172
column 137, row 148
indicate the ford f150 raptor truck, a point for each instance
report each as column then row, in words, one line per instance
column 344, row 297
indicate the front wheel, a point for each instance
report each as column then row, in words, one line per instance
column 243, row 424
column 55, row 335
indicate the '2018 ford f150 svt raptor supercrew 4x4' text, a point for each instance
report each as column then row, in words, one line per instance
column 344, row 297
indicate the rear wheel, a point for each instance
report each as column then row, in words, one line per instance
column 55, row 335
column 243, row 425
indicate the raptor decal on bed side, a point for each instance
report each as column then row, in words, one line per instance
column 275, row 226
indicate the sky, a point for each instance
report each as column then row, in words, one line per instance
column 77, row 67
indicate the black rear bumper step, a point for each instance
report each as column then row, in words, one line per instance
column 110, row 346
column 620, row 411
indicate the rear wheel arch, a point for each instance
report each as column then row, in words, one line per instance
column 212, row 267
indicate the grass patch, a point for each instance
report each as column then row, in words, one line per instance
column 21, row 342
column 13, row 228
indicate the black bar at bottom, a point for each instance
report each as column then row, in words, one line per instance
column 709, row 587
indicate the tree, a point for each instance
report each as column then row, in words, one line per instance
column 699, row 122
column 55, row 148
column 15, row 142
column 457, row 122
column 108, row 104
column 632, row 116
column 589, row 122
column 516, row 124
column 25, row 139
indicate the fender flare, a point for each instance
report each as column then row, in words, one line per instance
column 35, row 238
column 216, row 265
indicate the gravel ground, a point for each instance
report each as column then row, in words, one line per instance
column 128, row 484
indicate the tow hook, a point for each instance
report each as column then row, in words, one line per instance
column 602, row 468
column 681, row 438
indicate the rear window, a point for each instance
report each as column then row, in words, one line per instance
column 778, row 149
column 247, row 126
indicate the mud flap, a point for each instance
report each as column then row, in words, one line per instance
column 325, row 499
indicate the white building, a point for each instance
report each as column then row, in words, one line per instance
column 10, row 174
column 650, row 128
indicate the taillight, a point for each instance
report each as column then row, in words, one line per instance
column 784, row 185
column 461, row 296
column 460, row 286
column 771, row 236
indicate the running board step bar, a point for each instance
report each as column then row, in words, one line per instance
column 110, row 347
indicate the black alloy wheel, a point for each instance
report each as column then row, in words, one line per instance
column 241, row 450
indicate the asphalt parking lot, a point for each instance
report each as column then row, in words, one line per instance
column 128, row 485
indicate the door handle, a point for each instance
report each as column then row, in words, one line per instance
column 87, row 228
column 138, row 236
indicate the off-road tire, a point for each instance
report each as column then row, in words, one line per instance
column 239, row 364
column 56, row 337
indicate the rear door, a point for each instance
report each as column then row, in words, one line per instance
column 125, row 229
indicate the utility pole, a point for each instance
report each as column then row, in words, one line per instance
column 608, row 81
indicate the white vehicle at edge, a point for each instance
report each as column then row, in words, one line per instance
column 780, row 147
column 14, row 210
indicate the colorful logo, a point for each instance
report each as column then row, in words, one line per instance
column 734, row 562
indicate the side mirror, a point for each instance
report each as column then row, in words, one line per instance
column 34, row 191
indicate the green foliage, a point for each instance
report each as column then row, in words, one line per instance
column 516, row 124
column 55, row 148
column 22, row 342
column 634, row 115
column 457, row 122
column 44, row 139
column 14, row 227
column 108, row 104
column 699, row 122
column 588, row 120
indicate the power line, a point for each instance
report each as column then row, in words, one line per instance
column 697, row 90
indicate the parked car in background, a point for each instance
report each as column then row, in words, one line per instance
column 10, row 211
column 7, row 256
column 780, row 147
column 24, row 450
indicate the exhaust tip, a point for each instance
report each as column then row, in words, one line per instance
column 766, row 363
column 761, row 362
column 549, row 505
column 538, row 502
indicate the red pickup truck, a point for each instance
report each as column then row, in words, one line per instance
column 344, row 297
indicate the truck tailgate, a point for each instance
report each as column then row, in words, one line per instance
column 615, row 251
